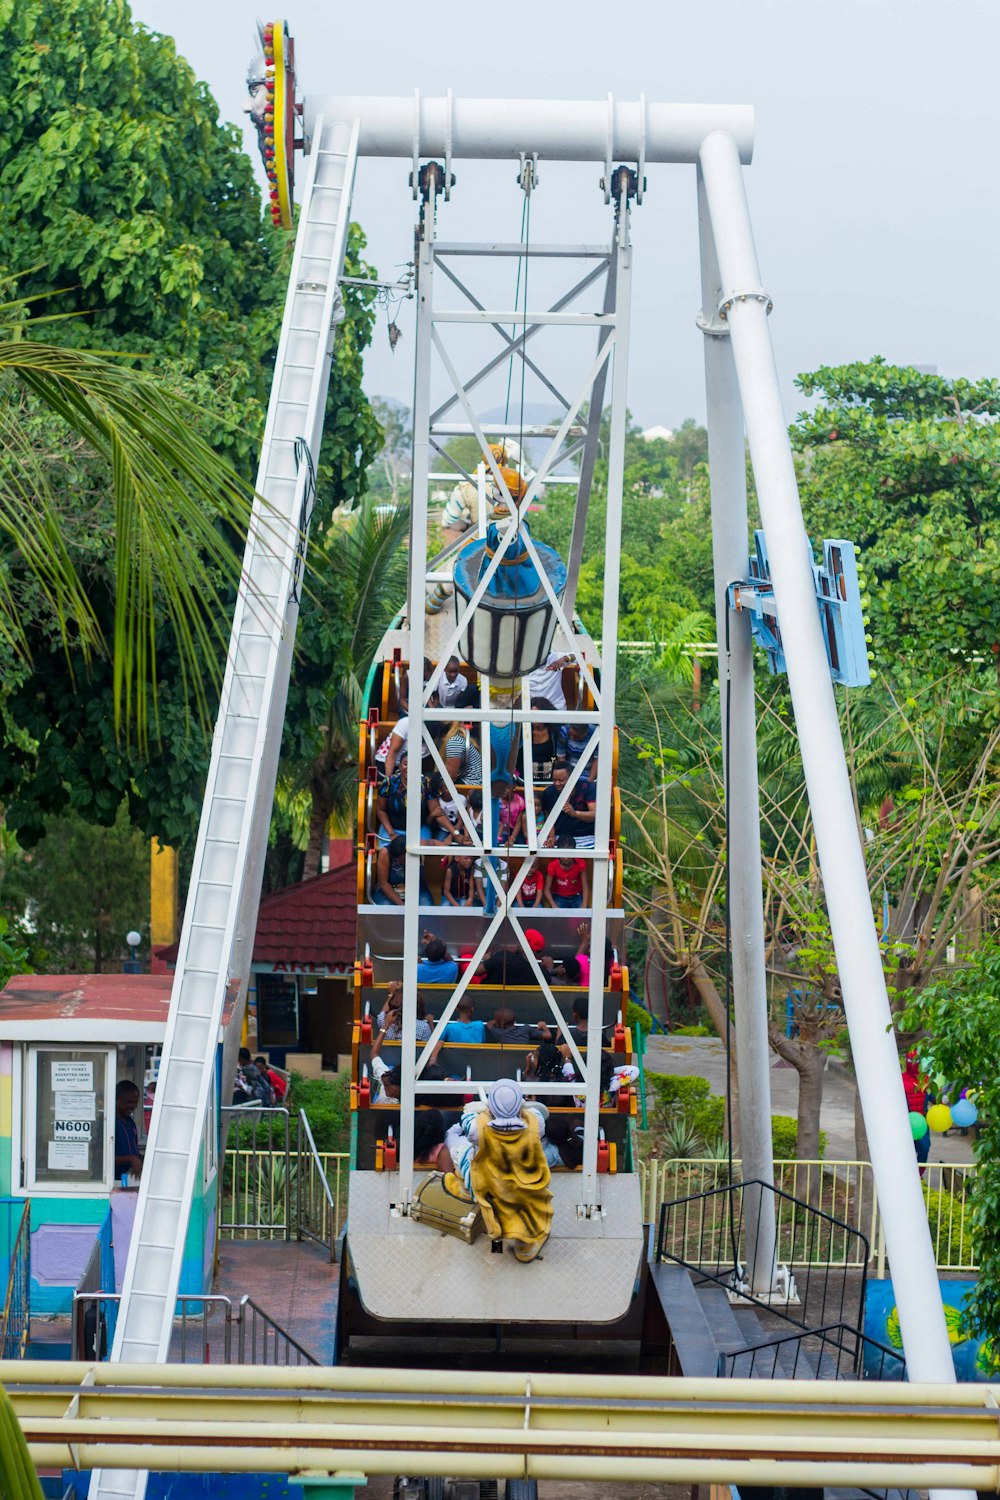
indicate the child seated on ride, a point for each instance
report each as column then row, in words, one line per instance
column 459, row 881
column 486, row 894
column 390, row 804
column 443, row 811
column 429, row 1149
column 507, row 1031
column 566, row 879
column 466, row 1028
column 451, row 684
column 390, row 876
column 532, row 887
column 510, row 816
column 390, row 1020
column 436, row 965
column 575, row 743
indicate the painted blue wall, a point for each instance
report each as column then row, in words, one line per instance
column 974, row 1359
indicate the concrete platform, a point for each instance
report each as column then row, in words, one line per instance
column 585, row 1274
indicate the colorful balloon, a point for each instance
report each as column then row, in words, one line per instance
column 939, row 1118
column 918, row 1125
column 964, row 1113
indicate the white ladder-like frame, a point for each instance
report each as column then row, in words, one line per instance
column 221, row 912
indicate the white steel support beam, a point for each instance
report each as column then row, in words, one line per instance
column 558, row 129
column 221, row 911
column 606, row 723
column 417, row 621
column 727, row 473
column 866, row 1006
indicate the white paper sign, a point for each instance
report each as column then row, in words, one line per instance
column 72, row 1130
column 73, row 1106
column 73, row 1075
column 69, row 1156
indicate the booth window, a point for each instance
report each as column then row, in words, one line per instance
column 69, row 1114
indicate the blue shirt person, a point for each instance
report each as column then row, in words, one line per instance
column 127, row 1155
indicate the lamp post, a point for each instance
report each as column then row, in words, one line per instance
column 133, row 964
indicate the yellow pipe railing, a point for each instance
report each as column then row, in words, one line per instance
column 844, row 1189
column 219, row 1419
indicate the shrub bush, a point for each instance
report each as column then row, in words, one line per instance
column 326, row 1102
column 691, row 1031
column 784, row 1132
column 637, row 1018
column 950, row 1226
column 689, row 1101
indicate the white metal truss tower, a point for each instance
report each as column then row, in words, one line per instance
column 611, row 326
column 221, row 913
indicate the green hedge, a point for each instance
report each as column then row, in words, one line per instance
column 679, row 1098
column 688, row 1099
column 637, row 1018
column 326, row 1102
column 691, row 1031
column 784, row 1132
column 950, row 1226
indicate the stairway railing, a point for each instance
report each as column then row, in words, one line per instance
column 838, row 1352
column 705, row 1232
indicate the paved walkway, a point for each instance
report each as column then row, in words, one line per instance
column 295, row 1284
column 705, row 1057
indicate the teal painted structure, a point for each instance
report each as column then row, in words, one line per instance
column 80, row 1016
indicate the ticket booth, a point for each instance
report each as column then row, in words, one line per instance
column 66, row 1042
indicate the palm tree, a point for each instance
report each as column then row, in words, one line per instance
column 364, row 563
column 177, row 506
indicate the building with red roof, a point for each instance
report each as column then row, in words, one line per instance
column 301, row 981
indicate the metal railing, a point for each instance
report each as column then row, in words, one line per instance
column 705, row 1232
column 16, row 1321
column 257, row 1174
column 262, row 1341
column 275, row 1184
column 207, row 1330
column 843, row 1189
column 837, row 1352
column 317, row 1206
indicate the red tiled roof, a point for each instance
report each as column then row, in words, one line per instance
column 312, row 922
column 309, row 923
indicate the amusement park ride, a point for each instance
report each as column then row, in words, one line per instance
column 510, row 603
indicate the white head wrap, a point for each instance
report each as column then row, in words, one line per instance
column 505, row 1100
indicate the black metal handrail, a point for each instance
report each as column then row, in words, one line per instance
column 708, row 1233
column 837, row 1352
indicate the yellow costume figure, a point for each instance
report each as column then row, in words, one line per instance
column 499, row 1159
column 510, row 1180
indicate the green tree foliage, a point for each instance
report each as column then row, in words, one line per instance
column 79, row 892
column 666, row 533
column 907, row 465
column 121, row 189
column 125, row 195
column 959, row 1017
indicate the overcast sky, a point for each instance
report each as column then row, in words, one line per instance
column 873, row 187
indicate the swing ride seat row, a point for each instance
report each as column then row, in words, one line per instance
column 588, row 1270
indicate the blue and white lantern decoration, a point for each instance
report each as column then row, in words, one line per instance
column 509, row 633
